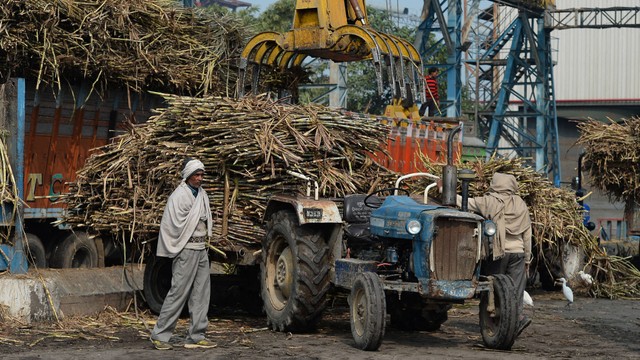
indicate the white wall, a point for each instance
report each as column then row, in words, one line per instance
column 597, row 63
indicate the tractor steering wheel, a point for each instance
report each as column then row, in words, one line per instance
column 378, row 203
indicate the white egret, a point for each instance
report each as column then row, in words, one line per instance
column 586, row 278
column 526, row 299
column 566, row 291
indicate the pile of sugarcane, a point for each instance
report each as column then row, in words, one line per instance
column 144, row 44
column 557, row 219
column 247, row 146
column 611, row 156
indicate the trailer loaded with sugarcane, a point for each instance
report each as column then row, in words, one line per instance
column 290, row 204
column 73, row 76
column 255, row 151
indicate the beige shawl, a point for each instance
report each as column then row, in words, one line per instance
column 180, row 218
column 505, row 208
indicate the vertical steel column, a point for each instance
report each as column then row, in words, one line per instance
column 542, row 100
column 547, row 152
column 19, row 261
column 338, row 76
column 505, row 88
column 454, row 60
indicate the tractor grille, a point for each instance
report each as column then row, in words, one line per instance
column 455, row 249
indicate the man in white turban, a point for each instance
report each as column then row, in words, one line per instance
column 512, row 242
column 186, row 225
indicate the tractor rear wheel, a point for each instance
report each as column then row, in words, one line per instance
column 367, row 310
column 294, row 273
column 499, row 327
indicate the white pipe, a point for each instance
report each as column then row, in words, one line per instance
column 412, row 175
column 426, row 192
column 308, row 179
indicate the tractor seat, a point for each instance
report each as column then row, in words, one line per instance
column 356, row 216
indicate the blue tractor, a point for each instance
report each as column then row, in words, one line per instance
column 394, row 255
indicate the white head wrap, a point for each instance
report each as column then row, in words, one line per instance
column 191, row 167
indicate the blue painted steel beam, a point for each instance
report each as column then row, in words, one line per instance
column 447, row 32
column 500, row 42
column 454, row 61
column 19, row 261
column 505, row 88
column 528, row 79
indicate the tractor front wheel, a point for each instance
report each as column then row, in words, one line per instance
column 498, row 325
column 367, row 310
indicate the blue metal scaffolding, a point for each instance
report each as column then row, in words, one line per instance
column 513, row 93
column 518, row 115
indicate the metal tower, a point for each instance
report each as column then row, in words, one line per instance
column 523, row 111
column 506, row 52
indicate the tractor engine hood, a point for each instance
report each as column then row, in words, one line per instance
column 390, row 219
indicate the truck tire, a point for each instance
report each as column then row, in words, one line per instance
column 294, row 273
column 75, row 251
column 37, row 255
column 157, row 281
column 499, row 331
column 367, row 311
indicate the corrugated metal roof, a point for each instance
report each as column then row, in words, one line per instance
column 597, row 64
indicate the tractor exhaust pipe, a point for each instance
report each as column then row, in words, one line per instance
column 466, row 176
column 450, row 173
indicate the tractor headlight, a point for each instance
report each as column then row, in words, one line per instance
column 489, row 227
column 413, row 227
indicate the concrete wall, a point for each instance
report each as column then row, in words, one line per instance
column 47, row 295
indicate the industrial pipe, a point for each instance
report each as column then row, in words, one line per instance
column 466, row 175
column 449, row 173
column 452, row 133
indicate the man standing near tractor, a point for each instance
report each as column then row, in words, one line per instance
column 186, row 224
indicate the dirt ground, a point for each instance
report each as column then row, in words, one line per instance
column 590, row 328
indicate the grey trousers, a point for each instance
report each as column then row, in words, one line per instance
column 511, row 264
column 191, row 281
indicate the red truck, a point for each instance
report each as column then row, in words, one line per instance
column 50, row 134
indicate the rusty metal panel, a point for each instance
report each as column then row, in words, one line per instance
column 347, row 269
column 450, row 290
column 454, row 249
column 63, row 126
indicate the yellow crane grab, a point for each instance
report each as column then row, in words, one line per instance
column 337, row 30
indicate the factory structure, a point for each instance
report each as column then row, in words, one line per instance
column 596, row 77
column 584, row 52
column 533, row 69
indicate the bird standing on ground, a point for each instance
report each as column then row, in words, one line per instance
column 566, row 291
column 526, row 299
column 586, row 278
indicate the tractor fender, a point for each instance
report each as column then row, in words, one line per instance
column 307, row 210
